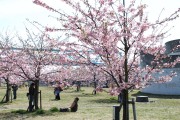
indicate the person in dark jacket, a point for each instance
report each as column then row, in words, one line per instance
column 72, row 108
column 31, row 97
column 57, row 91
column 14, row 88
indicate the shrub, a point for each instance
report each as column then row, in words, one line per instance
column 40, row 111
column 54, row 109
column 20, row 111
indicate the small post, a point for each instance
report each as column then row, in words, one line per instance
column 40, row 100
column 11, row 95
column 3, row 98
column 116, row 112
column 134, row 109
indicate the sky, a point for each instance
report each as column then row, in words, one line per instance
column 13, row 14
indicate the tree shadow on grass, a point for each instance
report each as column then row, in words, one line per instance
column 156, row 95
column 13, row 116
column 24, row 114
column 106, row 100
column 73, row 91
column 1, row 103
column 86, row 95
column 54, row 100
column 4, row 103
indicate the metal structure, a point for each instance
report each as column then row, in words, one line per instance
column 172, row 87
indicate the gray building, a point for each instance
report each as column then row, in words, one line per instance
column 168, row 88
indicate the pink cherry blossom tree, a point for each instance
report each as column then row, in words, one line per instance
column 37, row 60
column 81, row 74
column 7, row 68
column 117, row 34
column 32, row 59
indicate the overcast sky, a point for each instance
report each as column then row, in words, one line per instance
column 13, row 13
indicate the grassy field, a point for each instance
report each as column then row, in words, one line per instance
column 91, row 107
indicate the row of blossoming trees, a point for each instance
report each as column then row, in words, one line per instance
column 118, row 35
column 37, row 58
column 103, row 29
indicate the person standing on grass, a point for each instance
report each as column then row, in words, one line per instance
column 14, row 88
column 57, row 91
column 31, row 97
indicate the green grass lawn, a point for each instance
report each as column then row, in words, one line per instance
column 91, row 107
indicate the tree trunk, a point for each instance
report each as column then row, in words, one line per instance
column 95, row 84
column 8, row 91
column 78, row 85
column 126, row 49
column 36, row 94
column 125, row 105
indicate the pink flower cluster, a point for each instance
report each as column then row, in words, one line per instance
column 44, row 5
